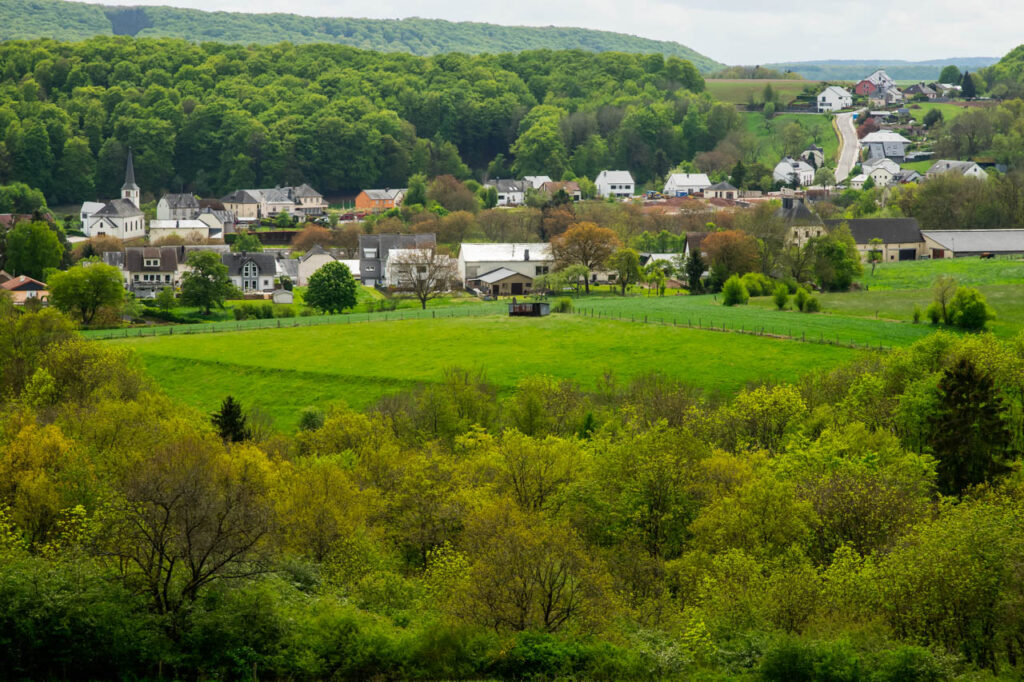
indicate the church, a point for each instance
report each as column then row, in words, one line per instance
column 121, row 218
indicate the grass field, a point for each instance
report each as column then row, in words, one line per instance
column 817, row 125
column 284, row 370
column 949, row 110
column 922, row 273
column 739, row 91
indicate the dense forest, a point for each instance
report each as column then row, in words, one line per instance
column 1005, row 78
column 862, row 524
column 212, row 118
column 29, row 19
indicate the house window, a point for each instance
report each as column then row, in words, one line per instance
column 369, row 253
column 167, row 278
column 151, row 263
column 541, row 270
column 250, row 276
column 369, row 268
column 136, row 278
column 421, row 269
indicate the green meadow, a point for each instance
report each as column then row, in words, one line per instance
column 284, row 370
column 769, row 134
column 740, row 90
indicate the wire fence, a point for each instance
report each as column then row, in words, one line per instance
column 752, row 330
column 288, row 322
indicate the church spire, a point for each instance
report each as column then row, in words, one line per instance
column 129, row 174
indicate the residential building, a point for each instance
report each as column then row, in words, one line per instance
column 966, row 168
column 683, row 184
column 901, row 237
column 962, row 243
column 721, row 190
column 920, row 89
column 614, row 183
column 536, row 181
column 23, row 288
column 877, row 82
column 251, row 272
column 527, row 259
column 510, row 192
column 570, row 187
column 813, row 155
column 881, row 170
column 244, row 205
column 316, row 258
column 375, row 249
column 885, row 144
column 886, row 97
column 251, row 205
column 405, row 268
column 503, row 282
column 789, row 171
column 177, row 207
column 190, row 230
column 121, row 218
column 803, row 223
column 379, row 200
column 908, row 175
column 834, row 98
column 220, row 221
column 148, row 269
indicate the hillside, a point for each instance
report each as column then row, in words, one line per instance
column 855, row 69
column 28, row 19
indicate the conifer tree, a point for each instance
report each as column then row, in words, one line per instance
column 230, row 421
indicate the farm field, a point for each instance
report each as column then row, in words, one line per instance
column 818, row 126
column 284, row 370
column 922, row 273
column 740, row 90
column 950, row 110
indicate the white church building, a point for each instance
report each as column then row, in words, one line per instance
column 121, row 218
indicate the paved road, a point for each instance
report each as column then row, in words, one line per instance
column 849, row 146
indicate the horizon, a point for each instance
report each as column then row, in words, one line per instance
column 823, row 31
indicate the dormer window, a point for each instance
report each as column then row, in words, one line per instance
column 151, row 262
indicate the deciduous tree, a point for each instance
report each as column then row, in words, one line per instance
column 584, row 244
column 332, row 288
column 86, row 289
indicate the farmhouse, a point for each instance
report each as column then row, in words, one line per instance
column 177, row 207
column 877, row 82
column 683, row 184
column 379, row 200
column 961, row 243
column 885, row 144
column 374, row 250
column 967, row 168
column 722, row 190
column 789, row 171
column 881, row 170
column 922, row 90
column 570, row 187
column 834, row 98
column 614, row 183
column 803, row 223
column 255, row 204
column 901, row 237
column 527, row 260
column 148, row 269
column 121, row 218
column 22, row 289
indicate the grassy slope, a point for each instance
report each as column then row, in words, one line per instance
column 771, row 149
column 283, row 370
column 739, row 91
column 74, row 21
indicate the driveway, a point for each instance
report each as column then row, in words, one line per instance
column 849, row 146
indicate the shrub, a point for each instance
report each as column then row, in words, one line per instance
column 284, row 311
column 781, row 296
column 306, row 312
column 562, row 305
column 812, row 305
column 791, row 284
column 265, row 311
column 311, row 419
column 909, row 664
column 934, row 313
column 917, row 314
column 239, row 313
column 733, row 292
column 370, row 306
column 968, row 309
column 757, row 284
column 801, row 298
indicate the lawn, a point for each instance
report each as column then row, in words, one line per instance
column 922, row 273
column 284, row 370
column 950, row 110
column 818, row 126
column 739, row 91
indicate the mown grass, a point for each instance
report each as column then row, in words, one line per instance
column 922, row 273
column 284, row 370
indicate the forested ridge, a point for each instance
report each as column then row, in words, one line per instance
column 23, row 19
column 863, row 524
column 211, row 118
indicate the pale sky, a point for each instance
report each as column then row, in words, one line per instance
column 738, row 32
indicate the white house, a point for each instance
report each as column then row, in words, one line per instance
column 510, row 192
column 887, row 144
column 834, row 98
column 682, row 184
column 528, row 259
column 614, row 183
column 85, row 214
column 177, row 207
column 406, row 266
column 790, row 170
column 968, row 168
column 536, row 181
column 121, row 218
column 186, row 229
column 883, row 171
column 814, row 155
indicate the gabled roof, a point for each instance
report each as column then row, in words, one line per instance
column 794, row 165
column 178, row 224
column 500, row 274
column 318, row 250
column 570, row 187
column 240, row 196
column 873, row 164
column 722, row 186
column 266, row 262
column 689, row 179
column 90, row 207
column 120, row 208
column 507, row 185
column 946, row 166
column 889, row 230
column 616, row 176
column 797, row 213
column 993, row 241
column 305, row 190
column 836, row 91
column 884, row 136
column 23, row 283
column 384, row 194
column 134, row 258
column 505, row 252
column 180, row 201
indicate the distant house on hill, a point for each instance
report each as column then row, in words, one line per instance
column 883, row 171
column 510, row 192
column 920, row 89
column 901, row 237
column 379, row 200
column 615, row 183
column 834, row 98
column 375, row 249
column 885, row 144
column 874, row 84
column 790, row 170
column 967, row 168
column 23, row 288
column 177, row 207
column 682, row 184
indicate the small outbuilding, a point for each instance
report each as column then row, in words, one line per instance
column 534, row 309
column 284, row 296
column 505, row 282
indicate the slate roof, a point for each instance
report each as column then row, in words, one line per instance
column 617, row 177
column 884, row 136
column 266, row 262
column 722, row 186
column 979, row 241
column 688, row 180
column 240, row 196
column 129, row 174
column 121, row 208
column 507, row 185
column 500, row 274
column 176, row 201
column 133, row 258
column 305, row 190
column 946, row 165
column 797, row 213
column 23, row 283
column 889, row 230
column 887, row 164
column 505, row 252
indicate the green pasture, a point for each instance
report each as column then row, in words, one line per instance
column 739, row 91
column 284, row 370
column 950, row 110
column 769, row 134
column 922, row 273
column 920, row 166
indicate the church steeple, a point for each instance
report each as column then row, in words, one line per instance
column 129, row 190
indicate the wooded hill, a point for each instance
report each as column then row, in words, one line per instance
column 26, row 19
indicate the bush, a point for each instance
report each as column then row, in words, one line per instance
column 562, row 305
column 934, row 313
column 311, row 419
column 969, row 310
column 307, row 312
column 757, row 284
column 812, row 305
column 800, row 299
column 265, row 311
column 791, row 284
column 239, row 313
column 781, row 296
column 734, row 292
column 284, row 311
column 909, row 664
column 917, row 314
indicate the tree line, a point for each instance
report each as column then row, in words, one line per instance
column 211, row 118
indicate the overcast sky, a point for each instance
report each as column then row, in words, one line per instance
column 737, row 32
